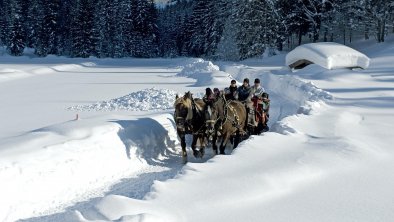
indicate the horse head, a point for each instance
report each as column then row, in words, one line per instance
column 183, row 111
column 213, row 115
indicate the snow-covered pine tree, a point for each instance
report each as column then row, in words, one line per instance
column 258, row 27
column 46, row 37
column 315, row 12
column 227, row 48
column 16, row 41
column 171, row 22
column 126, row 27
column 380, row 12
column 195, row 28
column 4, row 13
column 102, row 29
column 172, row 27
column 31, row 22
column 294, row 19
column 218, row 13
column 116, row 21
column 64, row 37
column 145, row 31
column 82, row 29
column 347, row 17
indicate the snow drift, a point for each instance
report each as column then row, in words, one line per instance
column 147, row 99
column 329, row 55
column 205, row 72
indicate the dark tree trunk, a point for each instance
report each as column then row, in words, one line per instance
column 299, row 36
column 366, row 33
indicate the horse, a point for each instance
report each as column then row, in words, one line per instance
column 190, row 119
column 225, row 118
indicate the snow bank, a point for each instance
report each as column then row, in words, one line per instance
column 144, row 100
column 205, row 72
column 17, row 73
column 77, row 160
column 11, row 74
column 328, row 55
column 288, row 94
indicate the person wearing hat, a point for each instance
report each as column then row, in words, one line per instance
column 243, row 92
column 261, row 103
column 229, row 92
column 244, row 95
column 257, row 90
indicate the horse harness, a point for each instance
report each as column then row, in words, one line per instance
column 200, row 131
column 234, row 120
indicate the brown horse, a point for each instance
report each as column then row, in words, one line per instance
column 190, row 119
column 228, row 119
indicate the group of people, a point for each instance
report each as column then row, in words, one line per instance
column 254, row 97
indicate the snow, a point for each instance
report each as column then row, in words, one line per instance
column 205, row 72
column 328, row 156
column 329, row 55
column 144, row 100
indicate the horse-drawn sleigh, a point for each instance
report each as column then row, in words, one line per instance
column 225, row 120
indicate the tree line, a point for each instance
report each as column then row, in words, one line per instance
column 220, row 29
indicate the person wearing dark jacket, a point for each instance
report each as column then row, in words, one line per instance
column 244, row 92
column 244, row 95
column 230, row 91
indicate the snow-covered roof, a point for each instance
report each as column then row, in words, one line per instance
column 329, row 55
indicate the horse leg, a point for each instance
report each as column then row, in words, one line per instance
column 202, row 148
column 194, row 143
column 237, row 140
column 214, row 144
column 183, row 145
column 224, row 143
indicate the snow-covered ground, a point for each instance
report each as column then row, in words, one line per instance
column 328, row 156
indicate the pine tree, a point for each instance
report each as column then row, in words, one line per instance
column 102, row 30
column 64, row 36
column 380, row 12
column 144, row 29
column 227, row 48
column 46, row 37
column 82, row 29
column 257, row 27
column 16, row 42
column 31, row 22
column 195, row 35
column 4, row 13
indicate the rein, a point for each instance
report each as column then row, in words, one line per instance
column 199, row 114
column 226, row 107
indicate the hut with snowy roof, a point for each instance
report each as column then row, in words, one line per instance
column 329, row 55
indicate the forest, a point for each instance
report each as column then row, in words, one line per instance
column 220, row 29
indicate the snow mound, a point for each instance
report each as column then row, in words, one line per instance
column 144, row 100
column 198, row 66
column 329, row 55
column 205, row 72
